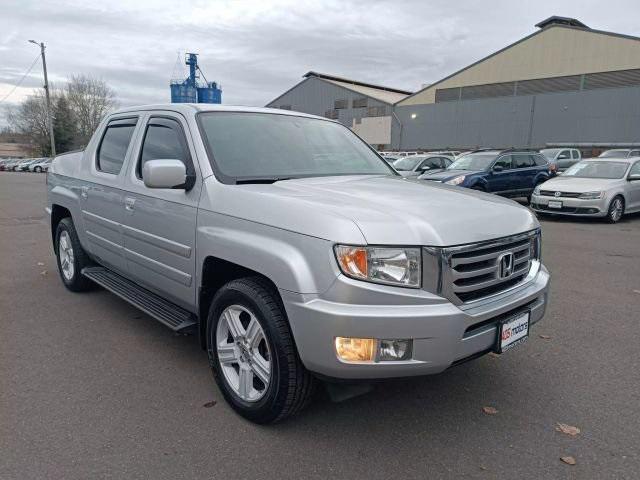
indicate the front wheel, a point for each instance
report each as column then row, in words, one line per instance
column 616, row 209
column 252, row 353
column 38, row 169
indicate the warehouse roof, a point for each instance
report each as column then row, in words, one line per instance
column 383, row 94
column 379, row 92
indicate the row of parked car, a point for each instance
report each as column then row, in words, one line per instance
column 554, row 180
column 37, row 165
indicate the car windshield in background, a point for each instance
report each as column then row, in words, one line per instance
column 550, row 153
column 248, row 146
column 407, row 164
column 473, row 161
column 614, row 154
column 608, row 170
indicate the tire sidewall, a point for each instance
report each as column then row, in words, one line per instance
column 267, row 405
column 66, row 226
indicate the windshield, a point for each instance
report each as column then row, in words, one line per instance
column 473, row 161
column 608, row 170
column 406, row 164
column 550, row 153
column 614, row 154
column 249, row 146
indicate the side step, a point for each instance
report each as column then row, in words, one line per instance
column 173, row 316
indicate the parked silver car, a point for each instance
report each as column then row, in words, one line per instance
column 561, row 158
column 416, row 165
column 620, row 153
column 40, row 166
column 594, row 188
column 292, row 249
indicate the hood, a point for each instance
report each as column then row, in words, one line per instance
column 578, row 185
column 444, row 175
column 383, row 210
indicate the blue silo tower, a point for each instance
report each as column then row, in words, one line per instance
column 191, row 90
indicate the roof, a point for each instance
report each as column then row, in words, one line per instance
column 378, row 92
column 556, row 20
column 190, row 108
column 551, row 22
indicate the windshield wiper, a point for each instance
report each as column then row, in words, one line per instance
column 265, row 180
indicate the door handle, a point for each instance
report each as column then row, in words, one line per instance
column 84, row 192
column 129, row 204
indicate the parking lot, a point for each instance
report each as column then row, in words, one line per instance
column 90, row 387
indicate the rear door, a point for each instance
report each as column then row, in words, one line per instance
column 101, row 199
column 526, row 172
column 160, row 224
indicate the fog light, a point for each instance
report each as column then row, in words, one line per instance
column 395, row 349
column 355, row 349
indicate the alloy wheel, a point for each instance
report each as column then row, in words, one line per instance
column 616, row 210
column 65, row 251
column 243, row 353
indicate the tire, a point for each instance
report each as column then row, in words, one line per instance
column 38, row 169
column 71, row 257
column 616, row 209
column 290, row 386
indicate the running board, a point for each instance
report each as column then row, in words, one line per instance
column 173, row 316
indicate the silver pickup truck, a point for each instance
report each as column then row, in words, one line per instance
column 292, row 249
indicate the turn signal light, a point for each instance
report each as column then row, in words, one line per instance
column 355, row 349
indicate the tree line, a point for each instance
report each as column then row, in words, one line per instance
column 76, row 109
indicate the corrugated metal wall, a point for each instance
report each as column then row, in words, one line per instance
column 603, row 115
column 317, row 97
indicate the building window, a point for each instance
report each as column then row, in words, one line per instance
column 341, row 104
column 285, row 107
column 376, row 111
column 360, row 102
column 332, row 114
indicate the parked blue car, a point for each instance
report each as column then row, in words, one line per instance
column 511, row 173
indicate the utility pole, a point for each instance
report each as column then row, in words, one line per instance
column 48, row 100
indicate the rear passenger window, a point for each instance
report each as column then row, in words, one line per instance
column 635, row 153
column 114, row 144
column 521, row 161
column 164, row 140
column 576, row 154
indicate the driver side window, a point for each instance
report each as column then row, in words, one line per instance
column 635, row 169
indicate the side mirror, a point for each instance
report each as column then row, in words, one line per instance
column 498, row 168
column 633, row 177
column 164, row 173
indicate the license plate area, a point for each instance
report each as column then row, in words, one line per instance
column 555, row 204
column 512, row 332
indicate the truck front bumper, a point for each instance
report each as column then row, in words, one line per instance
column 442, row 333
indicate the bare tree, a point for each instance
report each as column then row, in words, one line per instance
column 90, row 99
column 30, row 119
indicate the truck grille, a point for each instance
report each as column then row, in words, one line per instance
column 473, row 272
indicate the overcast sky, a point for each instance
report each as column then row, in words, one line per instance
column 258, row 49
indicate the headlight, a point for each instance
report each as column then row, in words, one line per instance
column 456, row 181
column 591, row 195
column 387, row 265
column 536, row 191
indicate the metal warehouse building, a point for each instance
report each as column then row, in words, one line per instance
column 366, row 108
column 564, row 83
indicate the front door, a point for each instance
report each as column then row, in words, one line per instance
column 501, row 181
column 634, row 188
column 160, row 224
column 525, row 173
column 564, row 160
column 101, row 199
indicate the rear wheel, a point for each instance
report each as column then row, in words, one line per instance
column 71, row 257
column 252, row 353
column 38, row 169
column 616, row 209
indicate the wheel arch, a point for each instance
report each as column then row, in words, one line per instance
column 58, row 212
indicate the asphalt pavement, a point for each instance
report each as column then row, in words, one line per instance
column 90, row 387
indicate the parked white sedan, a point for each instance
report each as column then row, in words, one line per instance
column 593, row 188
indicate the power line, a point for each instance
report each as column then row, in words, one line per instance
column 21, row 80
